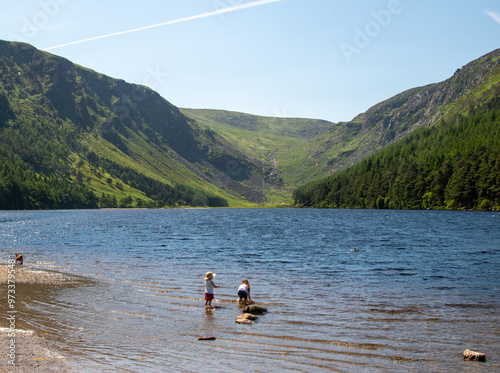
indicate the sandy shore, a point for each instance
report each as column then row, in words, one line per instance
column 28, row 275
column 32, row 352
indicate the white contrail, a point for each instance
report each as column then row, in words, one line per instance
column 204, row 15
column 494, row 15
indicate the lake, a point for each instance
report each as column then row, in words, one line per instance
column 419, row 288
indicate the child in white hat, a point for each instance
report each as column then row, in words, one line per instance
column 209, row 288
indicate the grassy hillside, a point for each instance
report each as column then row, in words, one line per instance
column 260, row 139
column 296, row 151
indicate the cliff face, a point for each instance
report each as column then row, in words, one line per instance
column 424, row 106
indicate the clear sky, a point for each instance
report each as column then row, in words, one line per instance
column 326, row 59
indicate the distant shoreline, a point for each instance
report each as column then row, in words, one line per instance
column 256, row 207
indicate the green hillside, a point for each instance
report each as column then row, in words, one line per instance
column 296, row 151
column 261, row 138
column 452, row 165
column 74, row 138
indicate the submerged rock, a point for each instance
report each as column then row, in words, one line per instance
column 244, row 321
column 246, row 318
column 473, row 355
column 255, row 310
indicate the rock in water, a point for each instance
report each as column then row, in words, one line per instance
column 246, row 316
column 244, row 321
column 473, row 355
column 255, row 310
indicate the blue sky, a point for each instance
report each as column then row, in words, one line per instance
column 297, row 58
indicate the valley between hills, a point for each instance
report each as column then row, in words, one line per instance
column 74, row 138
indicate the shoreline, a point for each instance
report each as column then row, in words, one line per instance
column 22, row 350
column 33, row 353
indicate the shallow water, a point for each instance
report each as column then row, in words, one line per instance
column 421, row 288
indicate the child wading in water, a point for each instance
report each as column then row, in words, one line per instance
column 209, row 288
column 244, row 292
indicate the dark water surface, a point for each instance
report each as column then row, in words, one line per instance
column 421, row 288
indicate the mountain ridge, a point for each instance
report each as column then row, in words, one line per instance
column 69, row 125
column 346, row 143
column 121, row 122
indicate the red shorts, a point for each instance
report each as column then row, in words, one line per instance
column 209, row 296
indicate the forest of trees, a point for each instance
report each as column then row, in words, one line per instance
column 23, row 189
column 453, row 165
column 35, row 173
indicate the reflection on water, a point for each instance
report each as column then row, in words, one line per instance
column 417, row 283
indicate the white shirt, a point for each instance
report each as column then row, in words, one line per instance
column 209, row 286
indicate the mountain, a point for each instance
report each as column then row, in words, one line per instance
column 441, row 148
column 453, row 165
column 71, row 137
column 347, row 143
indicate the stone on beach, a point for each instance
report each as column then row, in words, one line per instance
column 255, row 310
column 473, row 355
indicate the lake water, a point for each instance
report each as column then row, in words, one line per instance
column 422, row 287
